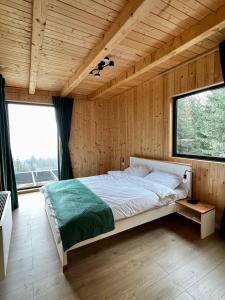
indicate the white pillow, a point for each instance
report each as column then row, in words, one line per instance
column 114, row 172
column 140, row 171
column 168, row 179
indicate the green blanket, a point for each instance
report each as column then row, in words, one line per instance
column 80, row 213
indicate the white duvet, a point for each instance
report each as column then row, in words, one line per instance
column 129, row 195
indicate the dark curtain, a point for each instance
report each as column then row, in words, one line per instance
column 222, row 61
column 8, row 181
column 63, row 111
column 222, row 226
column 222, row 58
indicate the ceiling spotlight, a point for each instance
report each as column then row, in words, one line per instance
column 94, row 72
column 106, row 59
column 101, row 65
column 97, row 75
column 111, row 64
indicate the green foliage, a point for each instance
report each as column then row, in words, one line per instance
column 201, row 124
column 35, row 164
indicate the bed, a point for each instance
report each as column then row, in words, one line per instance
column 131, row 200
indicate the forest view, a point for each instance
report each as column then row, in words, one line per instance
column 33, row 137
column 201, row 124
column 35, row 164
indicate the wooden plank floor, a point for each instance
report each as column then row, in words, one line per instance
column 164, row 259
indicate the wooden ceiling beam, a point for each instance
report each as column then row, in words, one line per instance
column 132, row 13
column 193, row 35
column 40, row 11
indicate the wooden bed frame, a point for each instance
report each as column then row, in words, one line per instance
column 136, row 220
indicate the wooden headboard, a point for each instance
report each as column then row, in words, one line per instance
column 166, row 166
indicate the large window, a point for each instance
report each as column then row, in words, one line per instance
column 33, row 136
column 199, row 125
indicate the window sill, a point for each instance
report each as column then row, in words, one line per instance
column 26, row 191
column 197, row 160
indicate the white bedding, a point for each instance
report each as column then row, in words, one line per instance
column 129, row 195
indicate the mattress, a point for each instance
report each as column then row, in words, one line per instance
column 128, row 195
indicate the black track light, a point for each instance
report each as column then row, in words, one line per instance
column 101, row 65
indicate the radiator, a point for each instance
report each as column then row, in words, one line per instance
column 5, row 231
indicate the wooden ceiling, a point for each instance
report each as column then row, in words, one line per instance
column 52, row 45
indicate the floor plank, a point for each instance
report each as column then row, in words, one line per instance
column 165, row 259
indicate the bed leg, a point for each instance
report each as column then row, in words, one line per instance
column 64, row 262
column 65, row 268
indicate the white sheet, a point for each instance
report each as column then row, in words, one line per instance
column 129, row 195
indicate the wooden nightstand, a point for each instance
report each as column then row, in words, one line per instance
column 201, row 213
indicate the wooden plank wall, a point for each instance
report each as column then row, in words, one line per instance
column 22, row 95
column 209, row 177
column 137, row 122
column 89, row 138
column 17, row 94
column 105, row 131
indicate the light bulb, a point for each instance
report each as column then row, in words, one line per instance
column 106, row 59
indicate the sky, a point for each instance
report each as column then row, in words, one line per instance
column 32, row 131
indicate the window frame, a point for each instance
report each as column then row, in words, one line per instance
column 174, row 127
column 33, row 104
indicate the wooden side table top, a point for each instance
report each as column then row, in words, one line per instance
column 201, row 207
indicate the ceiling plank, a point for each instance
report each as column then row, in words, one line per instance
column 40, row 11
column 132, row 13
column 193, row 35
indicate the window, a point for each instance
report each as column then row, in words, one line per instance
column 33, row 137
column 199, row 125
